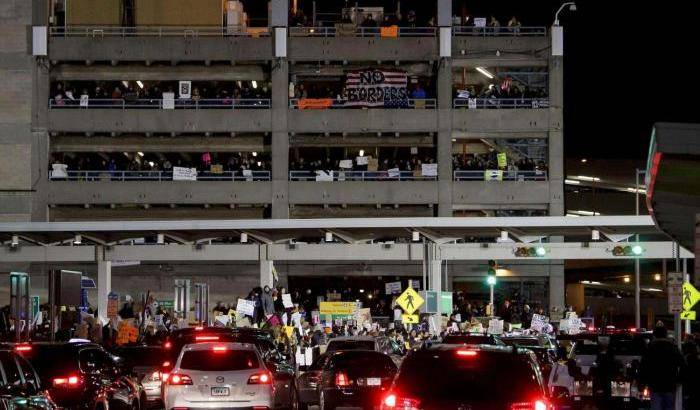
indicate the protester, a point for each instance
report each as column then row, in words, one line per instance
column 661, row 368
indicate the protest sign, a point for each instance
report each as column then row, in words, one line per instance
column 184, row 174
column 245, row 307
column 376, row 88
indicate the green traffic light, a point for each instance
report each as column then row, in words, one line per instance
column 637, row 250
column 491, row 280
column 540, row 251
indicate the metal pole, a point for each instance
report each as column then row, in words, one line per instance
column 637, row 274
column 686, row 278
column 52, row 305
column 493, row 308
column 677, row 329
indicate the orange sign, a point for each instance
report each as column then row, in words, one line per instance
column 315, row 103
column 391, row 31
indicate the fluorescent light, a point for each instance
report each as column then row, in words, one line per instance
column 329, row 237
column 657, row 277
column 485, row 72
column 571, row 182
column 150, row 163
column 255, row 84
column 126, row 84
column 362, row 153
column 78, row 240
column 595, row 283
column 653, row 290
column 587, row 178
column 139, row 83
column 140, row 153
column 584, row 160
column 626, row 279
column 259, row 163
column 15, row 240
column 244, row 237
column 415, row 236
column 635, row 190
column 572, row 215
column 255, row 154
column 586, row 213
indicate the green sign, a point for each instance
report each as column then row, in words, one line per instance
column 431, row 302
column 168, row 305
column 446, row 305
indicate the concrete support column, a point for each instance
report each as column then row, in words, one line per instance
column 556, row 136
column 444, row 140
column 104, row 282
column 266, row 273
column 557, row 289
column 280, row 139
column 434, row 266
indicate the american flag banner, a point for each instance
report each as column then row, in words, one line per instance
column 377, row 88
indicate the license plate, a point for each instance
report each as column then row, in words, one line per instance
column 220, row 391
column 374, row 381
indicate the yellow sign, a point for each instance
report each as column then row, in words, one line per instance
column 338, row 308
column 289, row 331
column 502, row 160
column 409, row 319
column 410, row 301
column 691, row 296
column 688, row 315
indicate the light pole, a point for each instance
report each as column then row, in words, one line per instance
column 570, row 4
column 491, row 280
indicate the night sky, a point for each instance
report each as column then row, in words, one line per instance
column 627, row 65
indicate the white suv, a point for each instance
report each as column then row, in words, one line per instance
column 219, row 375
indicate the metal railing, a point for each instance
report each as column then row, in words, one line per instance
column 360, row 32
column 155, row 103
column 327, row 176
column 121, row 176
column 411, row 103
column 500, row 103
column 475, row 175
column 149, row 31
column 499, row 31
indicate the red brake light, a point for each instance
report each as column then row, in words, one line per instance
column 467, row 353
column 260, row 378
column 341, row 379
column 536, row 405
column 166, row 364
column 390, row 400
column 70, row 381
column 219, row 349
column 179, row 380
column 23, row 348
column 167, row 345
column 395, row 402
column 206, row 339
column 199, row 328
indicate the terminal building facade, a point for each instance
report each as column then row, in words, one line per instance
column 288, row 114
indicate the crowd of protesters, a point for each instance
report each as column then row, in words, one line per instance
column 410, row 163
column 482, row 162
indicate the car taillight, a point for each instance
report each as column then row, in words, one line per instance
column 179, row 380
column 166, row 364
column 467, row 353
column 69, row 381
column 23, row 348
column 219, row 349
column 167, row 345
column 396, row 402
column 260, row 378
column 206, row 339
column 199, row 328
column 341, row 379
column 530, row 405
column 645, row 394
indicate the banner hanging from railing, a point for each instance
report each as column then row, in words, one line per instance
column 184, row 174
column 377, row 88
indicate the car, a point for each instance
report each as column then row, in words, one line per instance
column 20, row 386
column 84, row 376
column 485, row 377
column 307, row 382
column 544, row 347
column 354, row 378
column 147, row 364
column 216, row 375
column 472, row 339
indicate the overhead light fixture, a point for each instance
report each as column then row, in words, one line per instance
column 626, row 279
column 77, row 240
column 485, row 72
column 573, row 215
column 595, row 235
column 255, row 84
column 244, row 237
column 15, row 241
column 504, row 235
column 657, row 277
column 140, row 153
column 151, row 163
column 255, row 153
column 571, row 182
column 415, row 236
column 587, row 178
column 362, row 291
column 491, row 280
column 140, row 84
column 362, row 153
column 329, row 237
column 160, row 239
column 586, row 213
column 126, row 84
column 259, row 163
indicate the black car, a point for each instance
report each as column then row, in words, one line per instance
column 355, row 378
column 20, row 386
column 544, row 348
column 146, row 363
column 451, row 377
column 307, row 382
column 84, row 376
column 472, row 339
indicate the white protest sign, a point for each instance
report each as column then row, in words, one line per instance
column 429, row 170
column 184, row 174
column 346, row 164
column 287, row 300
column 414, row 150
column 394, row 173
column 362, row 160
column 471, row 103
column 479, row 21
column 493, row 175
column 324, row 176
column 392, row 288
column 309, row 356
column 495, row 327
column 169, row 101
column 185, row 88
column 245, row 307
column 84, row 100
column 539, row 322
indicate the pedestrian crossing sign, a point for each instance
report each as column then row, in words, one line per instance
column 409, row 319
column 410, row 301
column 688, row 315
column 691, row 296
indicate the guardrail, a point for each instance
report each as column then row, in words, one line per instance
column 524, row 31
column 328, row 176
column 155, row 103
column 500, row 103
column 496, row 175
column 337, row 103
column 360, row 32
column 121, row 176
column 187, row 32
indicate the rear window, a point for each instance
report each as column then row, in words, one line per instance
column 229, row 360
column 350, row 345
column 586, row 349
column 363, row 363
column 52, row 361
column 140, row 357
column 522, row 342
column 442, row 375
column 472, row 340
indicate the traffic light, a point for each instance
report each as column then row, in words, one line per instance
column 530, row 251
column 491, row 273
column 627, row 250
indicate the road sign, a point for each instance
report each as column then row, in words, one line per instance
column 409, row 319
column 112, row 305
column 410, row 301
column 691, row 296
column 675, row 292
column 688, row 315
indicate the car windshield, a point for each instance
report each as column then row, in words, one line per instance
column 335, row 345
column 472, row 340
column 432, row 375
column 219, row 361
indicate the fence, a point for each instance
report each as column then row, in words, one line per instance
column 328, row 176
column 122, row 176
column 498, row 176
column 360, row 32
column 499, row 31
column 155, row 103
column 107, row 31
column 500, row 103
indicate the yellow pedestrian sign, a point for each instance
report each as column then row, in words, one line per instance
column 691, row 296
column 410, row 301
column 412, row 319
column 688, row 315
